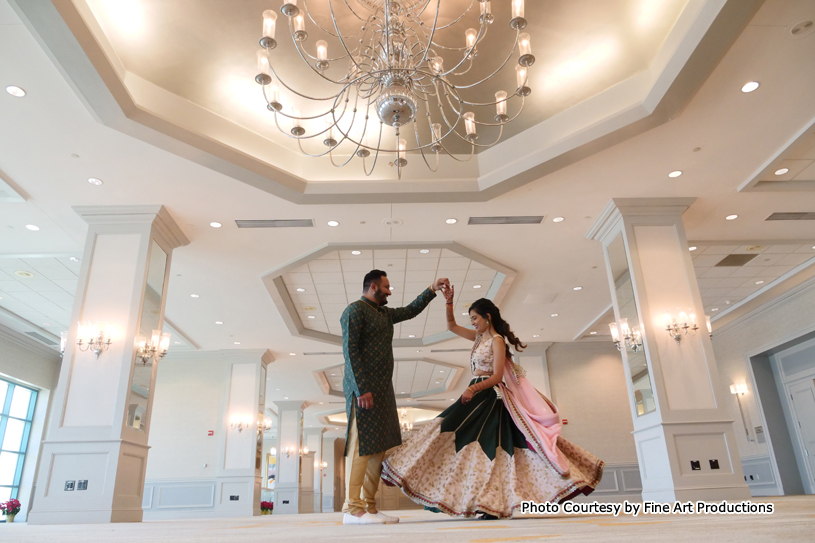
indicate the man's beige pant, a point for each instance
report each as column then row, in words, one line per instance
column 361, row 473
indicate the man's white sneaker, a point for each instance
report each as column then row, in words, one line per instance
column 387, row 518
column 367, row 518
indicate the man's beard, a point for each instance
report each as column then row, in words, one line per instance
column 381, row 298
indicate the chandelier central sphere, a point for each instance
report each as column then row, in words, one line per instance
column 390, row 72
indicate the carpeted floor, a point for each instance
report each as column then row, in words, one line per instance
column 793, row 520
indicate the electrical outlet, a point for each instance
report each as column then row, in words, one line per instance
column 285, row 502
column 69, row 485
column 82, row 485
column 714, row 464
column 695, row 465
column 234, row 498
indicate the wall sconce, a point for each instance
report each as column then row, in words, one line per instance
column 709, row 326
column 98, row 340
column 291, row 450
column 239, row 424
column 63, row 342
column 739, row 390
column 265, row 425
column 273, row 452
column 158, row 345
column 624, row 334
column 323, row 465
column 677, row 329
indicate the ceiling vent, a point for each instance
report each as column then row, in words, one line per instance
column 735, row 260
column 277, row 223
column 42, row 339
column 507, row 220
column 791, row 217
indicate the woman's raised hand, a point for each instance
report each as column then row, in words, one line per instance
column 448, row 292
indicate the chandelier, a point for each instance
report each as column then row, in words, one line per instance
column 404, row 80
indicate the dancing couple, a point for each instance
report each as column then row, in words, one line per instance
column 495, row 447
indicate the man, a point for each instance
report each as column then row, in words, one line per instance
column 370, row 403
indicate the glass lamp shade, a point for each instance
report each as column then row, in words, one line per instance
column 625, row 331
column 402, row 148
column 521, row 76
column 469, row 36
column 165, row 343
column 269, row 23
column 615, row 333
column 322, row 50
column 469, row 122
column 524, row 44
column 436, row 131
column 263, row 62
column 501, row 103
column 517, row 8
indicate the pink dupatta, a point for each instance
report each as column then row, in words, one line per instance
column 534, row 415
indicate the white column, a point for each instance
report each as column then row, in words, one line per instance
column 289, row 445
column 94, row 458
column 314, row 441
column 241, row 455
column 685, row 440
column 327, row 476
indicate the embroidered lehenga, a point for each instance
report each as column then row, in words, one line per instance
column 491, row 454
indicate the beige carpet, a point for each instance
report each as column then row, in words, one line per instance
column 794, row 520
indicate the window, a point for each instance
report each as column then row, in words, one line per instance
column 16, row 411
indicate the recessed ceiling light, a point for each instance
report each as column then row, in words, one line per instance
column 536, row 335
column 401, row 393
column 194, row 296
column 177, row 342
column 312, row 317
column 675, row 173
column 215, row 224
column 333, row 223
column 693, row 248
column 15, row 91
column 554, row 314
column 32, row 227
column 782, row 171
column 451, row 221
column 731, row 217
column 356, row 253
column 412, row 335
column 465, row 314
column 300, row 290
column 557, row 219
column 236, row 343
column 441, row 371
column 73, row 259
column 424, row 251
column 46, row 324
column 321, row 403
column 418, row 350
column 759, row 282
column 750, row 87
column 285, row 397
column 95, row 181
column 23, row 273
column 813, row 246
column 476, row 286
column 577, row 288
column 592, row 333
column 219, row 322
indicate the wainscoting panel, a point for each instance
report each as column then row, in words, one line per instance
column 179, row 498
column 620, row 482
column 759, row 476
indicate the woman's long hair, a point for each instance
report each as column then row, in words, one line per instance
column 492, row 314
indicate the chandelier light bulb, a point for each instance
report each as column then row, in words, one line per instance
column 402, row 148
column 436, row 131
column 525, row 50
column 269, row 23
column 322, row 50
column 469, row 36
column 274, row 94
column 486, row 13
column 437, row 65
column 501, row 106
column 263, row 62
column 517, row 9
column 300, row 28
column 521, row 78
column 469, row 123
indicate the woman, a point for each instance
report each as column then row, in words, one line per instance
column 499, row 445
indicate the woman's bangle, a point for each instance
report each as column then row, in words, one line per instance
column 448, row 303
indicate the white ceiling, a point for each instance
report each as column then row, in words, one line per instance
column 411, row 378
column 736, row 133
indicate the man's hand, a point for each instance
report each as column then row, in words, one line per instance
column 440, row 283
column 366, row 401
column 449, row 293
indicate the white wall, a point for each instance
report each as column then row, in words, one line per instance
column 588, row 387
column 30, row 363
column 786, row 318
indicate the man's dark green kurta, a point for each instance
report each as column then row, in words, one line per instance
column 367, row 343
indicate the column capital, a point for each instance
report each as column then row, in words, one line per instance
column 635, row 207
column 156, row 215
column 291, row 405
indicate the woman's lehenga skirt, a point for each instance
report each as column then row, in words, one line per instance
column 473, row 458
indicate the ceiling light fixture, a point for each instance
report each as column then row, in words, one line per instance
column 411, row 335
column 333, row 223
column 750, row 87
column 73, row 259
column 692, row 248
column 731, row 217
column 356, row 253
column 592, row 333
column 312, row 317
column 95, row 181
column 554, row 315
column 424, row 251
column 391, row 72
column 295, row 354
column 715, row 309
column 194, row 296
column 557, row 219
column 536, row 335
column 476, row 286
column 782, row 171
column 451, row 221
column 577, row 288
column 675, row 173
column 300, row 290
column 215, row 224
column 759, row 282
column 32, row 227
column 219, row 322
column 236, row 343
column 15, row 91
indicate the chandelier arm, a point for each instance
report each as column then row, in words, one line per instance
column 454, row 157
column 485, row 104
column 482, row 33
column 300, row 144
column 509, row 56
column 460, row 17
column 376, row 155
column 339, row 37
column 308, row 12
column 352, row 10
column 421, row 149
column 507, row 121
column 479, row 38
column 274, row 72
column 313, row 69
column 465, row 72
column 433, row 31
column 485, row 145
